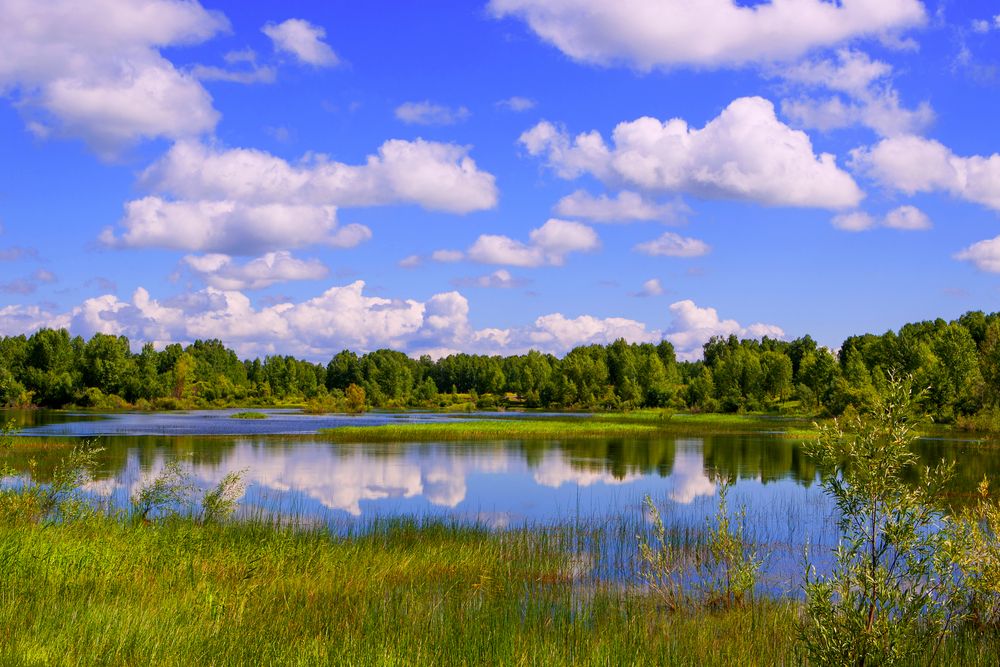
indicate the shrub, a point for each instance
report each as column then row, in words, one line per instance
column 893, row 594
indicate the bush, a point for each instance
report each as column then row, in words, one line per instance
column 894, row 593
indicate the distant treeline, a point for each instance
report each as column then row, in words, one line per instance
column 958, row 361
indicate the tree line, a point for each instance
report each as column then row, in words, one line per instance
column 959, row 361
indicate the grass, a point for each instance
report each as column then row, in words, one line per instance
column 636, row 424
column 488, row 429
column 102, row 590
column 248, row 415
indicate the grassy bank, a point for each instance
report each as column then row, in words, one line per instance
column 102, row 591
column 105, row 591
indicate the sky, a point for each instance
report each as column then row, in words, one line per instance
column 491, row 177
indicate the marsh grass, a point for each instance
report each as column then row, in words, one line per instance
column 102, row 591
column 643, row 423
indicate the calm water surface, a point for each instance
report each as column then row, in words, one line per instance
column 291, row 471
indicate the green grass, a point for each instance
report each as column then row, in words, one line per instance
column 100, row 590
column 490, row 429
column 248, row 415
column 645, row 423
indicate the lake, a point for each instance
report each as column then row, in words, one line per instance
column 291, row 472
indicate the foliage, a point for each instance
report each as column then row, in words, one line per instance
column 892, row 596
column 720, row 573
column 8, row 431
column 958, row 360
column 219, row 504
column 168, row 492
column 354, row 398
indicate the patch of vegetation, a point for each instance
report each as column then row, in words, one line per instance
column 248, row 415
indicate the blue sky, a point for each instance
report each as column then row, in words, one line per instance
column 491, row 177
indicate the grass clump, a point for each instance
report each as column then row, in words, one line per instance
column 248, row 415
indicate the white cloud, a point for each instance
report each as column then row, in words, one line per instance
column 222, row 272
column 447, row 255
column 499, row 279
column 872, row 100
column 984, row 254
column 496, row 249
column 855, row 221
column 344, row 317
column 250, row 72
column 652, row 287
column 693, row 326
column 94, row 69
column 711, row 33
column 853, row 72
column 674, row 245
column 303, row 40
column 517, row 103
column 907, row 218
column 244, row 201
column 410, row 262
column 624, row 207
column 559, row 333
column 745, row 153
column 913, row 164
column 549, row 245
column 428, row 113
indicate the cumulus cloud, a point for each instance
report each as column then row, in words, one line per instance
column 712, row 33
column 870, row 101
column 94, row 69
column 548, row 245
column 345, row 317
column 302, row 40
column 908, row 218
column 984, row 254
column 674, row 245
column 245, row 201
column 624, row 207
column 220, row 271
column 517, row 103
column 913, row 164
column 745, row 153
column 560, row 333
column 693, row 326
column 428, row 113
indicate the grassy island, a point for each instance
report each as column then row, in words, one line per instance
column 248, row 415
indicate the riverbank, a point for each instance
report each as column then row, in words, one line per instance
column 100, row 590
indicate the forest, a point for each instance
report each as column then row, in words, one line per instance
column 958, row 361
